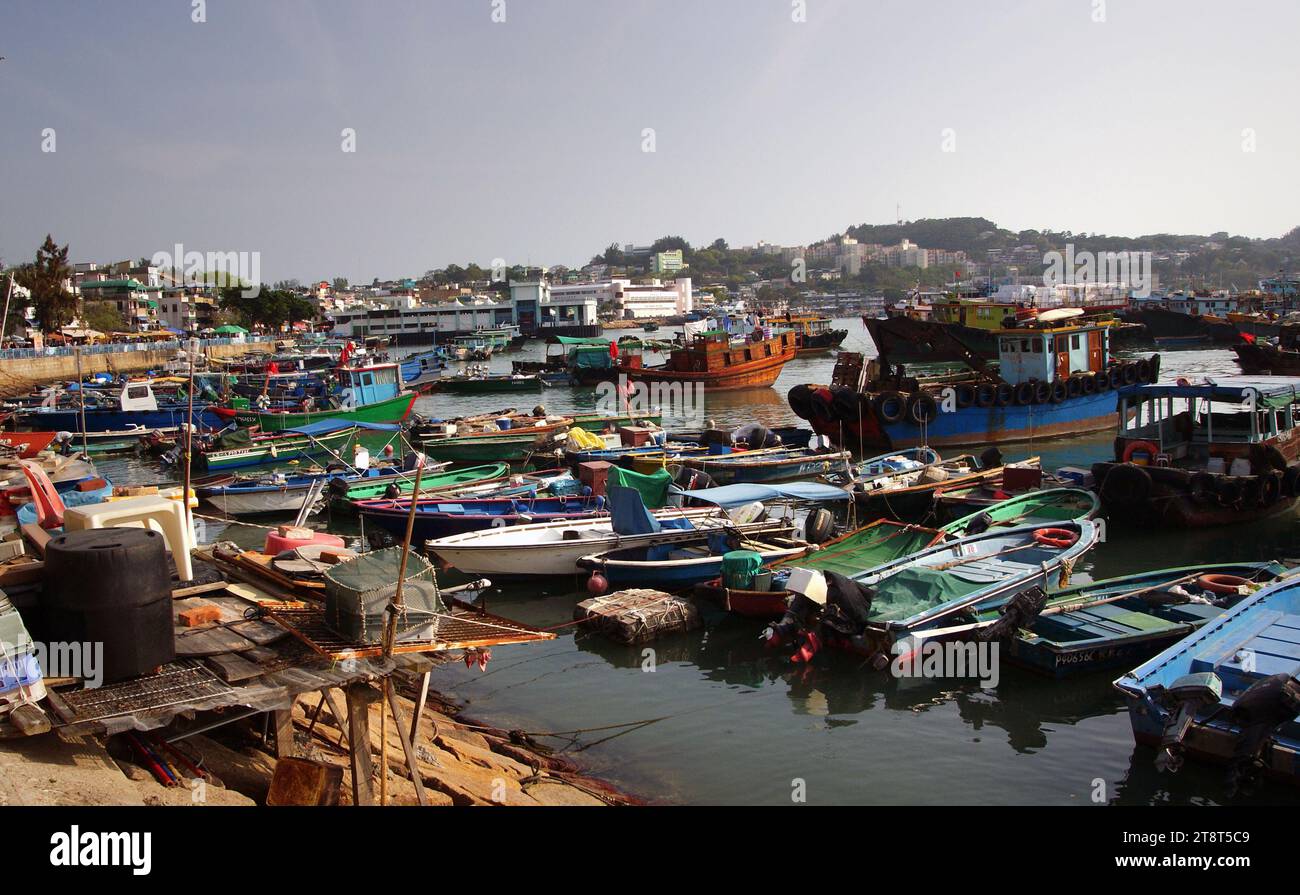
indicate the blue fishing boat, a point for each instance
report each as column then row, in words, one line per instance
column 442, row 518
column 134, row 407
column 1053, row 378
column 1119, row 621
column 1228, row 693
column 414, row 366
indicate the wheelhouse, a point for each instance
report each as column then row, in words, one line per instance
column 372, row 384
column 1203, row 426
column 1046, row 354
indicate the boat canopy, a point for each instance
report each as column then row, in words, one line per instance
column 325, row 427
column 728, row 496
column 1268, row 391
column 575, row 340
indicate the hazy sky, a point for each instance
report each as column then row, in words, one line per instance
column 523, row 140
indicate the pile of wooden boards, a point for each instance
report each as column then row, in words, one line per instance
column 638, row 615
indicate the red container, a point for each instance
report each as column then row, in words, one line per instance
column 594, row 475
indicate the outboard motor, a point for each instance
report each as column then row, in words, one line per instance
column 1020, row 612
column 979, row 524
column 1268, row 703
column 1191, row 693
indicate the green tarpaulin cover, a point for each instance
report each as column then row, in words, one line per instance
column 915, row 590
column 653, row 488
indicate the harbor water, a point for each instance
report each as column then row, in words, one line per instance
column 713, row 717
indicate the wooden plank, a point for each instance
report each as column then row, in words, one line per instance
column 411, row 765
column 20, row 573
column 283, row 721
column 360, row 696
column 233, row 668
column 210, row 641
column 420, row 702
column 182, row 593
column 36, row 536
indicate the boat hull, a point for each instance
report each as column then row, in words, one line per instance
column 393, row 410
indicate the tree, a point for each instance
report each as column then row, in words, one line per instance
column 269, row 307
column 103, row 316
column 47, row 279
column 340, row 284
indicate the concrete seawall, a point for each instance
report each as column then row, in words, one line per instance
column 18, row 376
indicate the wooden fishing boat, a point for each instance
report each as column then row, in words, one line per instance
column 264, row 450
column 813, row 334
column 712, row 361
column 1258, row 357
column 1054, row 377
column 514, row 446
column 1120, row 621
column 439, row 517
column 479, row 384
column 375, row 486
column 1227, row 693
column 908, row 496
column 931, row 596
column 554, row 548
column 872, row 545
column 370, row 394
column 1042, row 507
column 1199, row 455
column 263, row 496
column 766, row 465
column 887, row 464
column 685, row 563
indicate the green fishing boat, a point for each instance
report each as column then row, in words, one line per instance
column 594, row 422
column 1030, row 508
column 870, row 546
column 370, row 394
column 367, row 489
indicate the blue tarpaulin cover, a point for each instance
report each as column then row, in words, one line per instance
column 628, row 513
column 325, row 427
column 738, row 495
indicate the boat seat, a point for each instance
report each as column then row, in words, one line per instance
column 1272, row 647
column 1126, row 620
column 987, row 570
column 168, row 517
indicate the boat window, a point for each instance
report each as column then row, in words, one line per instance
column 138, row 391
column 1074, row 341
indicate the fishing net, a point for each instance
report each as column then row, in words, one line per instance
column 358, row 593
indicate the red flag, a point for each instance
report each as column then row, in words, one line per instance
column 613, row 349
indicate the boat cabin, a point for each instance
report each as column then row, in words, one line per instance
column 1047, row 352
column 368, row 385
column 713, row 350
column 137, row 396
column 975, row 314
column 1210, row 425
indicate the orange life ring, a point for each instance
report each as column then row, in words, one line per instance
column 1060, row 538
column 1221, row 584
column 1135, row 446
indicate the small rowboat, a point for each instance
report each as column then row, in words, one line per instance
column 554, row 548
column 885, row 465
column 908, row 496
column 870, row 546
column 438, row 517
column 1032, row 508
column 767, row 465
column 1114, row 623
column 683, row 564
column 1227, row 693
column 374, row 486
column 931, row 596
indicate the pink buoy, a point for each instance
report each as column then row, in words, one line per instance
column 597, row 584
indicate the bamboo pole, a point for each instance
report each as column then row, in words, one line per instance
column 189, row 448
column 81, row 402
column 390, row 635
